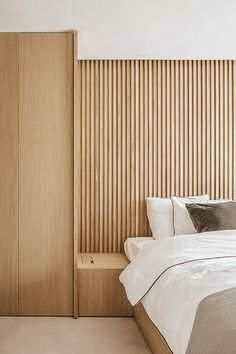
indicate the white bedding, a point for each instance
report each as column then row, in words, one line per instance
column 133, row 246
column 172, row 275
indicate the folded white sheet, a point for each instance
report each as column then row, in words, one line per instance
column 172, row 275
column 133, row 246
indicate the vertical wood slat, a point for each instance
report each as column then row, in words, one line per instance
column 155, row 128
column 76, row 169
column 9, row 174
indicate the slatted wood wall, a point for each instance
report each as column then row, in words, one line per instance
column 150, row 128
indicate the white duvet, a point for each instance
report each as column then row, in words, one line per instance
column 172, row 275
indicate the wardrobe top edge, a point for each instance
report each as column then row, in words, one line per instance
column 38, row 32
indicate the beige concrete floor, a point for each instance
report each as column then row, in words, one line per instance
column 50, row 335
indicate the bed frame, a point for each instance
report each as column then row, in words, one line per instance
column 150, row 332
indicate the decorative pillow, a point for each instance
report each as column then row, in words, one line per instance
column 213, row 217
column 160, row 216
column 183, row 224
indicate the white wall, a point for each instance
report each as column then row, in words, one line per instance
column 35, row 15
column 176, row 29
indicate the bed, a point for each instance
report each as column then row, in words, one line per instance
column 180, row 288
column 157, row 343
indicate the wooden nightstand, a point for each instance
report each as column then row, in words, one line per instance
column 100, row 292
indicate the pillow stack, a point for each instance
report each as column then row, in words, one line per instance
column 169, row 216
column 189, row 215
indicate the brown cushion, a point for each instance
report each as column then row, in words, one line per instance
column 213, row 217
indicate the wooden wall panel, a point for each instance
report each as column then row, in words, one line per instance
column 8, row 173
column 46, row 173
column 150, row 128
column 77, row 172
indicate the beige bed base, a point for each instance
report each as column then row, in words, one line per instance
column 153, row 337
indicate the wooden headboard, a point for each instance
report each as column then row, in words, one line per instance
column 150, row 128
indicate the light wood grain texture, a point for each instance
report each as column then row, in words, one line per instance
column 150, row 128
column 8, row 173
column 46, row 173
column 100, row 291
column 102, row 261
column 76, row 154
column 153, row 337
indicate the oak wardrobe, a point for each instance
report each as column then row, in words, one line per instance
column 37, row 241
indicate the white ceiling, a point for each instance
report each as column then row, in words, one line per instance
column 116, row 29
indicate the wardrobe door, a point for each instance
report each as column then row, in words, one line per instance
column 8, row 173
column 46, row 173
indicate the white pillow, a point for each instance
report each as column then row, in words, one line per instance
column 216, row 201
column 160, row 216
column 183, row 224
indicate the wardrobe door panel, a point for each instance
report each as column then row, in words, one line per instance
column 8, row 173
column 46, row 173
